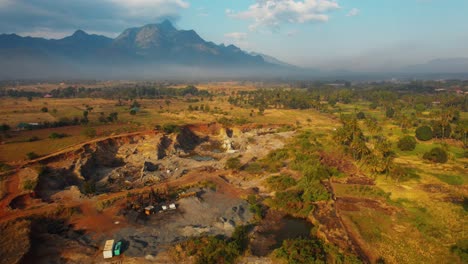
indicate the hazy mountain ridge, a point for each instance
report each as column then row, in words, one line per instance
column 153, row 43
column 162, row 51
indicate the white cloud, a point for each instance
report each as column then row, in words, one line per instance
column 237, row 38
column 353, row 12
column 236, row 35
column 274, row 13
column 52, row 18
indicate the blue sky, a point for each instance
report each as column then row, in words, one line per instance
column 341, row 34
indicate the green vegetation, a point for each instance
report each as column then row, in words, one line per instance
column 32, row 155
column 55, row 135
column 407, row 143
column 281, row 182
column 170, row 128
column 451, row 179
column 5, row 167
column 424, row 133
column 312, row 250
column 29, row 185
column 436, row 155
column 233, row 163
column 214, row 250
column 461, row 249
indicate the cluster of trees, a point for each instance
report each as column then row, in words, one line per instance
column 312, row 250
column 131, row 92
column 216, row 249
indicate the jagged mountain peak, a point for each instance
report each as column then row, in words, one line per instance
column 79, row 33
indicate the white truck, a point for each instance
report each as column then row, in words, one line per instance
column 108, row 248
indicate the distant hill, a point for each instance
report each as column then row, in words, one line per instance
column 140, row 50
column 448, row 65
column 271, row 59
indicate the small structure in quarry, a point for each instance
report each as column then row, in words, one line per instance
column 108, row 248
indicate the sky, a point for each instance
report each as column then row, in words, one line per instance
column 360, row 35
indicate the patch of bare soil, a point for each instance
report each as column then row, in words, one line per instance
column 435, row 188
column 330, row 227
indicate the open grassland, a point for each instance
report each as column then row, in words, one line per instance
column 153, row 112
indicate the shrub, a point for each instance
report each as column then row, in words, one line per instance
column 5, row 167
column 170, row 128
column 407, row 143
column 390, row 112
column 233, row 164
column 29, row 185
column 437, row 155
column 55, row 135
column 32, row 155
column 302, row 251
column 33, row 138
column 361, row 115
column 461, row 249
column 254, row 168
column 44, row 109
column 424, row 133
column 281, row 182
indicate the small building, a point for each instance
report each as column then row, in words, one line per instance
column 149, row 210
column 108, row 248
column 48, row 96
column 172, row 206
column 164, row 207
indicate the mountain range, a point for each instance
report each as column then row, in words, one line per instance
column 158, row 48
column 160, row 51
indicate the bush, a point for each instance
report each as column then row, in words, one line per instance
column 390, row 112
column 424, row 133
column 437, row 155
column 407, row 143
column 361, row 115
column 461, row 249
column 233, row 164
column 44, row 109
column 302, row 251
column 254, row 168
column 55, row 135
column 33, row 138
column 170, row 128
column 32, row 155
column 280, row 183
column 29, row 185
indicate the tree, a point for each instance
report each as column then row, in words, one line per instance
column 44, row 109
column 424, row 133
column 4, row 128
column 441, row 129
column 390, row 112
column 407, row 143
column 360, row 116
column 133, row 112
column 436, row 155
